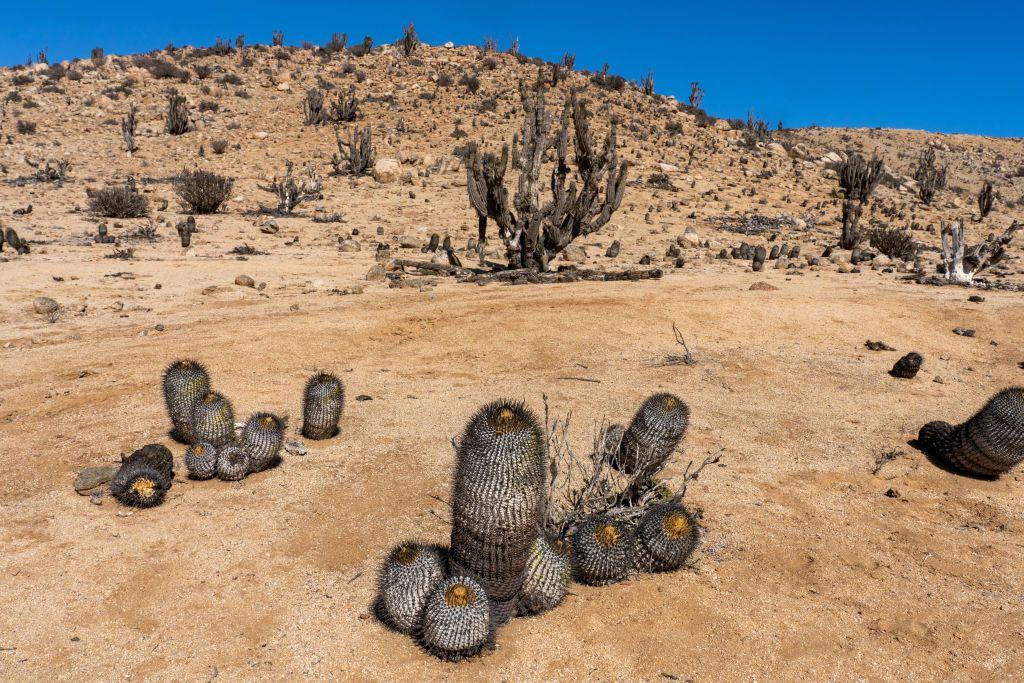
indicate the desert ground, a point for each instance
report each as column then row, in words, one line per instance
column 833, row 549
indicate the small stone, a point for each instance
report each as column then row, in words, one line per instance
column 878, row 346
column 364, row 397
column 245, row 281
column 270, row 228
column 376, row 273
column 91, row 477
column 350, row 245
column 976, row 298
column 938, row 380
column 762, row 286
column 295, row 447
column 44, row 305
column 892, row 493
column 96, row 497
column 963, row 331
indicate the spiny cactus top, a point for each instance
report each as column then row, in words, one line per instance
column 213, row 419
column 232, row 463
column 456, row 622
column 138, row 483
column 322, row 403
column 496, row 499
column 261, row 438
column 665, row 537
column 201, row 461
column 907, row 367
column 657, row 428
column 548, row 571
column 185, row 382
column 408, row 577
column 990, row 443
column 155, row 455
column 602, row 550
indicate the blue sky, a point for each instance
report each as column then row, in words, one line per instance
column 940, row 66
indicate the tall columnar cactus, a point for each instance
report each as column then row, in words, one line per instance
column 185, row 382
column 989, row 444
column 213, row 419
column 201, row 461
column 548, row 572
column 407, row 579
column 261, row 439
column 232, row 463
column 144, row 477
column 602, row 550
column 496, row 500
column 322, row 403
column 665, row 537
column 457, row 619
column 657, row 428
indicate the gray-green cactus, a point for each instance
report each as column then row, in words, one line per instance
column 407, row 579
column 201, row 461
column 496, row 501
column 322, row 405
column 988, row 444
column 457, row 619
column 185, row 382
column 602, row 550
column 665, row 537
column 144, row 477
column 657, row 428
column 548, row 572
column 232, row 463
column 262, row 436
column 213, row 419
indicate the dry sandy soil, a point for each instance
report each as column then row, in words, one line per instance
column 813, row 567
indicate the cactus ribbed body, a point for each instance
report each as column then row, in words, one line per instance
column 232, row 463
column 201, row 461
column 322, row 403
column 144, row 477
column 408, row 577
column 907, row 367
column 185, row 382
column 657, row 428
column 457, row 619
column 261, row 439
column 989, row 444
column 665, row 537
column 496, row 500
column 602, row 550
column 548, row 571
column 213, row 419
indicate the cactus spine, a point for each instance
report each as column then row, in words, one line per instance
column 657, row 428
column 408, row 577
column 496, row 501
column 988, row 444
column 185, row 382
column 456, row 622
column 144, row 477
column 548, row 571
column 232, row 463
column 323, row 401
column 602, row 550
column 665, row 537
column 201, row 461
column 213, row 419
column 261, row 439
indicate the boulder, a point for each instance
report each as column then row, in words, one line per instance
column 387, row 170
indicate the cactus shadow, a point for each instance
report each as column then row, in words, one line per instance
column 939, row 462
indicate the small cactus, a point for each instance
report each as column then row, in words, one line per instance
column 408, row 577
column 261, row 438
column 496, row 500
column 665, row 537
column 185, row 382
column 907, row 367
column 657, row 428
column 548, row 571
column 201, row 461
column 213, row 419
column 988, row 444
column 457, row 620
column 602, row 550
column 232, row 463
column 323, row 401
column 144, row 477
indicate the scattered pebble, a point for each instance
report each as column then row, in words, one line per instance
column 963, row 331
column 878, row 346
column 976, row 298
column 295, row 447
column 364, row 397
column 91, row 477
column 44, row 305
column 245, row 281
column 761, row 286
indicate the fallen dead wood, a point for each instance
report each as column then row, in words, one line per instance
column 431, row 267
column 529, row 276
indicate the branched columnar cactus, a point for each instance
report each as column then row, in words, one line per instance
column 201, row 461
column 907, row 367
column 144, row 477
column 657, row 428
column 232, row 463
column 496, row 500
column 457, row 619
column 261, row 438
column 665, row 537
column 548, row 572
column 213, row 419
column 185, row 382
column 989, row 444
column 407, row 579
column 602, row 550
column 322, row 403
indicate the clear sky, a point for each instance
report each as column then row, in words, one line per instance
column 940, row 66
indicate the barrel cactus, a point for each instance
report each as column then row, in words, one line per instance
column 261, row 438
column 457, row 619
column 144, row 477
column 907, row 366
column 496, row 501
column 602, row 550
column 657, row 428
column 988, row 444
column 213, row 419
column 201, row 461
column 407, row 579
column 232, row 463
column 322, row 403
column 665, row 537
column 185, row 382
column 548, row 571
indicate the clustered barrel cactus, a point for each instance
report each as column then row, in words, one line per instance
column 504, row 560
column 989, row 444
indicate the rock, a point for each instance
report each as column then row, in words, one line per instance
column 260, row 135
column 963, row 331
column 777, row 149
column 364, row 397
column 881, row 261
column 245, row 281
column 667, row 168
column 295, row 447
column 44, row 305
column 350, row 245
column 449, row 45
column 574, row 253
column 690, row 238
column 831, row 158
column 387, row 170
column 878, row 346
column 284, row 87
column 613, row 249
column 376, row 273
column 844, row 267
column 782, row 263
column 799, row 151
column 762, row 286
column 91, row 477
column 976, row 298
column 408, row 242
column 269, row 228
